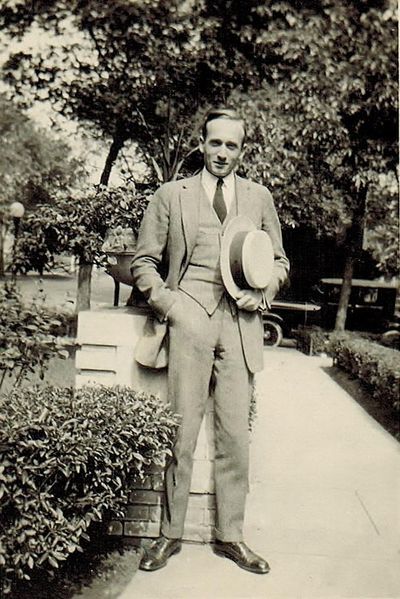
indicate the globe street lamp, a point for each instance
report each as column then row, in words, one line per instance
column 17, row 211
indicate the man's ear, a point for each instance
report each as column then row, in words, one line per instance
column 201, row 144
column 243, row 150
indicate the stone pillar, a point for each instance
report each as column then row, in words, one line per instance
column 107, row 339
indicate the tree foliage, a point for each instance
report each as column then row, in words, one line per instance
column 136, row 71
column 317, row 82
column 33, row 164
column 324, row 122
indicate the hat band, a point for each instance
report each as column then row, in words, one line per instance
column 235, row 260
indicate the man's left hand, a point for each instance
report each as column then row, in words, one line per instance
column 249, row 299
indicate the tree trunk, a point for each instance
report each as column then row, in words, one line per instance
column 116, row 145
column 341, row 315
column 2, row 266
column 85, row 269
column 354, row 239
column 84, row 286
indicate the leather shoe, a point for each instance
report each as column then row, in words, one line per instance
column 242, row 556
column 157, row 554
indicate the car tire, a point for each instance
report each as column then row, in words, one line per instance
column 391, row 339
column 273, row 333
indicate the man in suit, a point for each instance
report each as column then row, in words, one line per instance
column 213, row 340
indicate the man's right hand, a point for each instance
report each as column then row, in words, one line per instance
column 174, row 309
column 249, row 299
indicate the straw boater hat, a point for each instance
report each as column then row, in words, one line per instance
column 247, row 256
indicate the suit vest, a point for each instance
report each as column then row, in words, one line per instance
column 202, row 279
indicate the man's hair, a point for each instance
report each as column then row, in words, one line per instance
column 222, row 113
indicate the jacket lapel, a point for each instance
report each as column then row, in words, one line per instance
column 190, row 210
column 242, row 196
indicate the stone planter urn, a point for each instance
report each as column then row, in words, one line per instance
column 119, row 247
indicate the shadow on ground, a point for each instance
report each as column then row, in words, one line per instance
column 107, row 568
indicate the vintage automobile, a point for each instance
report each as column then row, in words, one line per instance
column 372, row 304
column 285, row 316
column 373, row 307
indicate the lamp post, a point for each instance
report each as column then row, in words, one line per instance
column 17, row 211
column 2, row 265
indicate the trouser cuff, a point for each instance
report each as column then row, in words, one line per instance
column 228, row 536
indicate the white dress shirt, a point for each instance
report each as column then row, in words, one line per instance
column 209, row 183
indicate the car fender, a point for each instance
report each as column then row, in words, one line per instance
column 274, row 317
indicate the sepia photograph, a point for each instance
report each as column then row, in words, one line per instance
column 199, row 299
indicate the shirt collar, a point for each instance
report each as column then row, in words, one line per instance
column 210, row 181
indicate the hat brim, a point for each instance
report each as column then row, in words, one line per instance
column 242, row 224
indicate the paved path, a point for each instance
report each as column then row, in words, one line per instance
column 325, row 489
column 323, row 505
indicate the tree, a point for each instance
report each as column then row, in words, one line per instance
column 33, row 165
column 327, row 142
column 321, row 75
column 135, row 71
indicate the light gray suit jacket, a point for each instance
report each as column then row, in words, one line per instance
column 166, row 240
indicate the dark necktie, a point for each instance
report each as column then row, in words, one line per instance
column 219, row 202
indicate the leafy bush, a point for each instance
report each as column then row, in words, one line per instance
column 63, row 323
column 376, row 366
column 28, row 336
column 77, row 224
column 66, row 456
column 312, row 340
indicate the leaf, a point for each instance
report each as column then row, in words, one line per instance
column 52, row 561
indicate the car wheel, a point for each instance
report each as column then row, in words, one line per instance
column 391, row 339
column 273, row 333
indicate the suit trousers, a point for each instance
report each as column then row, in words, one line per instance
column 206, row 356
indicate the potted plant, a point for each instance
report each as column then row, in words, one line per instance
column 119, row 247
column 120, row 241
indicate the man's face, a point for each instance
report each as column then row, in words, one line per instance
column 222, row 146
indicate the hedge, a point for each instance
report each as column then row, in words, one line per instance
column 312, row 340
column 65, row 458
column 376, row 366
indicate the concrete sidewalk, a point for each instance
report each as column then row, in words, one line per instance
column 323, row 505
